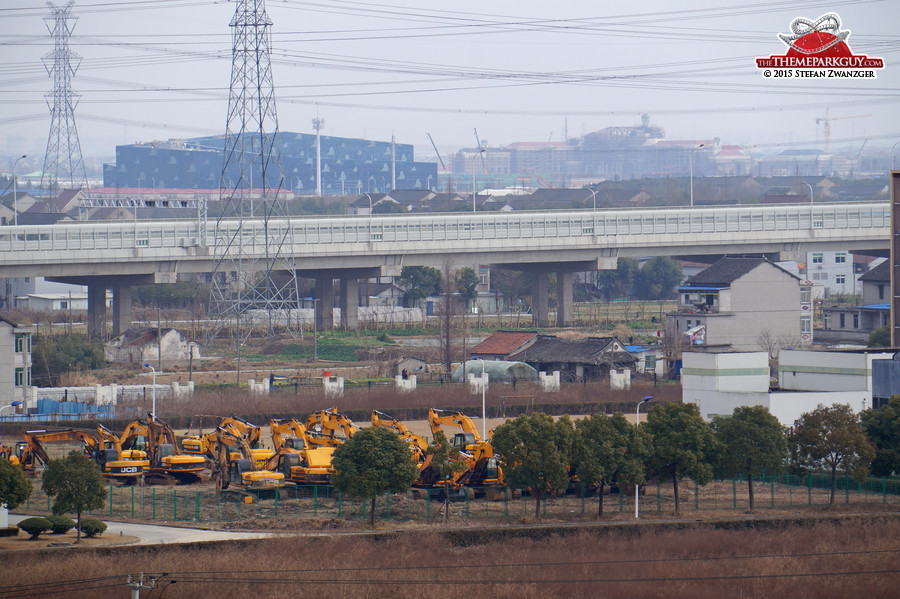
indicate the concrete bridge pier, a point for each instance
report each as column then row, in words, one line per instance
column 121, row 305
column 540, row 302
column 349, row 303
column 564, row 292
column 96, row 321
column 325, row 304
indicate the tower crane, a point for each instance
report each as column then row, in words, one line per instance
column 826, row 128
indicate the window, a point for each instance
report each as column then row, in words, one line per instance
column 650, row 363
column 856, row 321
column 20, row 376
column 805, row 295
column 817, row 258
column 805, row 324
column 881, row 292
column 20, row 343
column 840, row 279
column 843, row 322
column 840, row 257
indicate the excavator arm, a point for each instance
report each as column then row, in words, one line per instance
column 467, row 435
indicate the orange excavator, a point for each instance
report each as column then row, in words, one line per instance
column 418, row 446
column 296, row 457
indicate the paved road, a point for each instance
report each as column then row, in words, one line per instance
column 152, row 534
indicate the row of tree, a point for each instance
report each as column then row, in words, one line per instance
column 546, row 456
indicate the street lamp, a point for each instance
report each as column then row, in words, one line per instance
column 16, row 191
column 370, row 215
column 692, row 172
column 147, row 365
column 483, row 408
column 593, row 197
column 637, row 423
column 810, row 192
column 892, row 154
column 12, row 405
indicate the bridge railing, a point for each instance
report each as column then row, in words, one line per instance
column 309, row 232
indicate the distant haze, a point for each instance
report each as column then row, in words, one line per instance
column 516, row 71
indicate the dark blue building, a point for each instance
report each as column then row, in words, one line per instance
column 348, row 165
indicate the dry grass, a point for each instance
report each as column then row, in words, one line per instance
column 844, row 559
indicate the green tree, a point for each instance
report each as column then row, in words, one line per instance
column 445, row 463
column 883, row 428
column 751, row 442
column 58, row 354
column 683, row 444
column 419, row 282
column 76, row 484
column 607, row 450
column 373, row 461
column 535, row 452
column 657, row 278
column 831, row 438
column 880, row 337
column 15, row 487
column 618, row 282
column 466, row 285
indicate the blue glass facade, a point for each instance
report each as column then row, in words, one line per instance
column 348, row 165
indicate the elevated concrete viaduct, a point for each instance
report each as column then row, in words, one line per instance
column 348, row 248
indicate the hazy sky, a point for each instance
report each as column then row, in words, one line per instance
column 516, row 71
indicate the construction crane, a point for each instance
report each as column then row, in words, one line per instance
column 826, row 128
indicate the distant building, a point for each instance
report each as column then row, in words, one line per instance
column 144, row 344
column 349, row 165
column 854, row 324
column 15, row 363
column 743, row 304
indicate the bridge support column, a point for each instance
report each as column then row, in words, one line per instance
column 349, row 303
column 96, row 324
column 325, row 305
column 121, row 309
column 564, row 316
column 540, row 306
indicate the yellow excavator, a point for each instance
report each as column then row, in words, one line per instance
column 329, row 428
column 482, row 467
column 167, row 465
column 296, row 457
column 417, row 444
column 241, row 471
column 205, row 444
column 115, row 467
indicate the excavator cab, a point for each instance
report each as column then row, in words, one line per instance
column 294, row 443
column 461, row 441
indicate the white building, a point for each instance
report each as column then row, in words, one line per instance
column 720, row 382
column 15, row 363
column 832, row 270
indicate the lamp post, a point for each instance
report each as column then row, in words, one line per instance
column 692, row 172
column 12, row 405
column 810, row 192
column 16, row 191
column 483, row 404
column 892, row 154
column 370, row 215
column 147, row 365
column 637, row 423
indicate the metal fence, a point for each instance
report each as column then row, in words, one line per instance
column 183, row 504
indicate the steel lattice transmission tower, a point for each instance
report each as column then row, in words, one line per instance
column 63, row 163
column 254, row 284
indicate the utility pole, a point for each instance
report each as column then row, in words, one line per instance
column 255, row 272
column 317, row 124
column 63, row 162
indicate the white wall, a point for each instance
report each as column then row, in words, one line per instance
column 800, row 370
column 740, row 372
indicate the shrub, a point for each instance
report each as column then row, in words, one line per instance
column 60, row 525
column 35, row 526
column 92, row 527
column 9, row 531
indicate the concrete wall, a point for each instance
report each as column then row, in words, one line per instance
column 788, row 407
column 741, row 372
column 716, row 403
column 827, row 371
